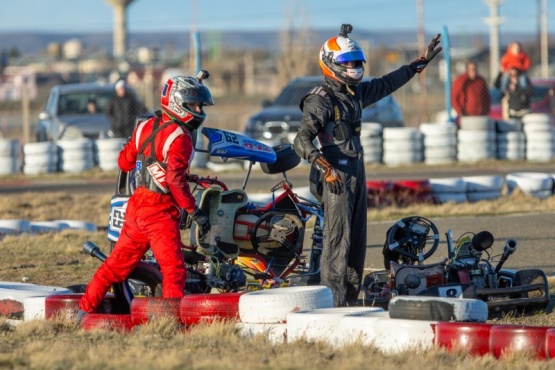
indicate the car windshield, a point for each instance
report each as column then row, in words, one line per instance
column 539, row 92
column 293, row 93
column 78, row 102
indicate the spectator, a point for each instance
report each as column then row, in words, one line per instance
column 91, row 106
column 515, row 57
column 470, row 94
column 122, row 109
column 518, row 96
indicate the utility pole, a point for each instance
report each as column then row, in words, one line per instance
column 494, row 21
column 192, row 35
column 422, row 78
column 544, row 38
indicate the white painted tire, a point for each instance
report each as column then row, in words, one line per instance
column 321, row 324
column 483, row 195
column 9, row 147
column 438, row 129
column 440, row 141
column 517, row 154
column 511, row 137
column 19, row 291
column 391, row 146
column 439, row 161
column 440, row 152
column 529, row 182
column 537, row 117
column 473, row 136
column 450, row 197
column 115, row 144
column 37, row 160
column 438, row 309
column 36, row 170
column 271, row 306
column 78, row 225
column 41, row 227
column 371, row 130
column 401, row 133
column 360, row 328
column 76, row 145
column 371, row 142
column 34, row 308
column 484, row 183
column 108, row 166
column 476, row 123
column 76, row 166
column 508, row 126
column 9, row 165
column 14, row 226
column 42, row 148
column 402, row 157
column 448, row 185
column 537, row 127
column 275, row 333
column 399, row 335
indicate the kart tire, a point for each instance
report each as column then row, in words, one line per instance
column 507, row 339
column 272, row 306
column 322, row 324
column 102, row 321
column 438, row 309
column 274, row 333
column 149, row 275
column 143, row 309
column 470, row 337
column 197, row 308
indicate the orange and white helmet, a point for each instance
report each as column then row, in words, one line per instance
column 340, row 50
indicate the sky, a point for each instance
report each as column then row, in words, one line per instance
column 460, row 16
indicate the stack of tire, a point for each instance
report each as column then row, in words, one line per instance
column 76, row 155
column 511, row 141
column 540, row 137
column 449, row 190
column 402, row 146
column 537, row 185
column 440, row 142
column 107, row 152
column 486, row 187
column 371, row 138
column 9, row 156
column 40, row 158
column 476, row 139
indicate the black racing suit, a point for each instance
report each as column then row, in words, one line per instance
column 344, row 246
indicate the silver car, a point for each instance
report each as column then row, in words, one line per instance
column 75, row 111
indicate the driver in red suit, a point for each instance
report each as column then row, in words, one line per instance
column 160, row 150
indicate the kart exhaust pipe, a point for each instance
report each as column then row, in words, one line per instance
column 510, row 247
column 92, row 249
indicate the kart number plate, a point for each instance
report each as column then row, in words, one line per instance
column 117, row 217
column 452, row 291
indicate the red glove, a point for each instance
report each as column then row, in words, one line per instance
column 329, row 174
column 419, row 64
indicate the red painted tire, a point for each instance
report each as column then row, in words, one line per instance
column 198, row 308
column 11, row 308
column 504, row 338
column 379, row 193
column 63, row 305
column 550, row 343
column 103, row 321
column 417, row 186
column 147, row 308
column 472, row 337
column 411, row 191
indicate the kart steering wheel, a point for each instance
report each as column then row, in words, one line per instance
column 416, row 232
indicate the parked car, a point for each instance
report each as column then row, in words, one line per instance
column 542, row 101
column 278, row 121
column 74, row 111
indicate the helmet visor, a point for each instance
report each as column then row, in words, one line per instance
column 200, row 94
column 351, row 56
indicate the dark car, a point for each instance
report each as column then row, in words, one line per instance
column 278, row 121
column 75, row 111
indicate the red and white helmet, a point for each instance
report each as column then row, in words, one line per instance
column 338, row 50
column 180, row 90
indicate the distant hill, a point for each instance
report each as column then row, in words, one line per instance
column 35, row 42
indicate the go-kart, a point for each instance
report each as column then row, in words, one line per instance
column 251, row 244
column 465, row 273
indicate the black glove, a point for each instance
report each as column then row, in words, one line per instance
column 202, row 221
column 329, row 174
column 419, row 64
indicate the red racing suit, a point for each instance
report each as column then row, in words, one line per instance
column 152, row 218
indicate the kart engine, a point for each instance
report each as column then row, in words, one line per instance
column 224, row 277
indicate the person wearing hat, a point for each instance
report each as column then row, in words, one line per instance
column 122, row 109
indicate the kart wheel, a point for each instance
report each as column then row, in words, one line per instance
column 98, row 321
column 438, row 309
column 471, row 337
column 145, row 309
column 146, row 280
column 516, row 338
column 197, row 308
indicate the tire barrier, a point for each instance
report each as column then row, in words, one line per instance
column 402, row 145
column 438, row 309
column 107, row 153
column 483, row 187
column 471, row 337
column 371, row 138
column 275, row 333
column 452, row 189
column 359, row 328
column 440, row 142
column 505, row 339
column 550, row 343
column 40, row 158
column 321, row 324
column 97, row 321
column 9, row 156
column 272, row 306
column 511, row 146
column 75, row 155
column 13, row 296
column 197, row 308
column 144, row 309
column 64, row 305
column 538, row 185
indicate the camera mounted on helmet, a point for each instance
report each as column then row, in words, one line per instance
column 341, row 58
column 182, row 91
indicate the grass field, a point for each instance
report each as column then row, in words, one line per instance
column 56, row 259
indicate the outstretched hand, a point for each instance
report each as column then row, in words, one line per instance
column 431, row 51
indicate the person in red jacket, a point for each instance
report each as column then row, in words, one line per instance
column 470, row 93
column 514, row 58
column 160, row 150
